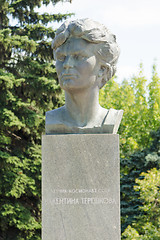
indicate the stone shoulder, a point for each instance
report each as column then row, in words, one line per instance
column 56, row 123
column 55, row 116
column 113, row 118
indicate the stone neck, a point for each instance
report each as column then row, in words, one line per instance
column 82, row 106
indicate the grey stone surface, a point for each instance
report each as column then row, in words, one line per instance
column 80, row 187
column 86, row 53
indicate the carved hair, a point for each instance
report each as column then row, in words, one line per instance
column 93, row 32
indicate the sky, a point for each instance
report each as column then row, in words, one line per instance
column 136, row 24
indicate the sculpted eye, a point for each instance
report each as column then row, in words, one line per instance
column 61, row 58
column 79, row 57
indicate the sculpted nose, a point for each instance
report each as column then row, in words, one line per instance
column 68, row 62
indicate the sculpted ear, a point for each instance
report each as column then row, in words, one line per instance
column 105, row 74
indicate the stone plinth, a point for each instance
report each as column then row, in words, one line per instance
column 80, row 187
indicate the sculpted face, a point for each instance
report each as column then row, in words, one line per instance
column 76, row 64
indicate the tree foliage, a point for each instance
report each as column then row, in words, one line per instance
column 140, row 101
column 141, row 105
column 29, row 87
column 147, row 225
column 134, row 168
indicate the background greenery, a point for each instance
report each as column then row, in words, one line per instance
column 28, row 84
column 29, row 88
column 140, row 152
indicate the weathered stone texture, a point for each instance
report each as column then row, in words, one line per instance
column 81, row 188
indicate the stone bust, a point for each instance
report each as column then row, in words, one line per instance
column 86, row 54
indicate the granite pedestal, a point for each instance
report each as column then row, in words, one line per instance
column 80, row 187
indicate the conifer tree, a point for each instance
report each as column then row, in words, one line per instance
column 143, row 198
column 29, row 88
column 132, row 204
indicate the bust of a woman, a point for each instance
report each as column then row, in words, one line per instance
column 86, row 54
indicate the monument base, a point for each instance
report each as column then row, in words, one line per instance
column 80, row 187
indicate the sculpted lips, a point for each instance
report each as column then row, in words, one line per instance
column 68, row 75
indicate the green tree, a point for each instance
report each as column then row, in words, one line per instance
column 29, row 87
column 147, row 225
column 140, row 191
column 154, row 100
column 141, row 105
